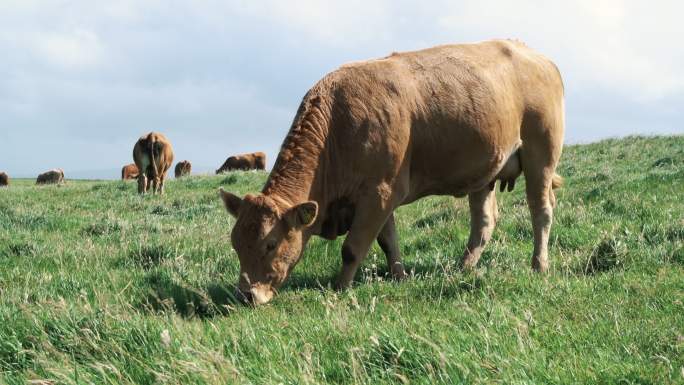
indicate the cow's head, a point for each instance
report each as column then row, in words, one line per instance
column 268, row 241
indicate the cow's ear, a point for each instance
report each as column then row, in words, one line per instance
column 231, row 201
column 302, row 215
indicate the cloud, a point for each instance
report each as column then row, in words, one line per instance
column 86, row 78
column 341, row 24
column 621, row 45
column 77, row 49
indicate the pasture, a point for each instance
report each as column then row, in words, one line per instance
column 100, row 285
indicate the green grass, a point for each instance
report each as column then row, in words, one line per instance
column 93, row 278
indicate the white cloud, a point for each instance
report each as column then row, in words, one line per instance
column 615, row 44
column 74, row 50
column 338, row 23
column 232, row 72
column 623, row 45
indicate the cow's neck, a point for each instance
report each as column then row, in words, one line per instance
column 292, row 180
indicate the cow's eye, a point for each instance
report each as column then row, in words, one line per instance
column 270, row 246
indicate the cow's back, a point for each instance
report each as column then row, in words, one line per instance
column 4, row 179
column 447, row 116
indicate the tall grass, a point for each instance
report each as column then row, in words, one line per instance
column 99, row 285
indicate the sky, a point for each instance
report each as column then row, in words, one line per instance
column 81, row 80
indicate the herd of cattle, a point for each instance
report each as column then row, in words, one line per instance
column 375, row 135
column 153, row 154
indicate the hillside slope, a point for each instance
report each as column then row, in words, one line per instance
column 99, row 285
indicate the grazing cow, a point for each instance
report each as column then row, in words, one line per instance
column 182, row 169
column 253, row 161
column 129, row 171
column 54, row 176
column 153, row 155
column 4, row 179
column 375, row 135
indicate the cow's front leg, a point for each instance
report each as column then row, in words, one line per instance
column 389, row 243
column 483, row 216
column 369, row 219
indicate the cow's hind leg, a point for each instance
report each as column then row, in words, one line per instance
column 483, row 216
column 161, row 184
column 542, row 142
column 389, row 243
column 155, row 184
column 142, row 183
column 538, row 188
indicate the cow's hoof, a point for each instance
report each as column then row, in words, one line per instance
column 469, row 262
column 398, row 272
column 540, row 266
column 341, row 285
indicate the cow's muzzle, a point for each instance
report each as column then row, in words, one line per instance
column 255, row 296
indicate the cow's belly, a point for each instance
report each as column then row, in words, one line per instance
column 459, row 163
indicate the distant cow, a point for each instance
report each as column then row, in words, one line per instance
column 129, row 171
column 54, row 176
column 253, row 161
column 183, row 168
column 4, row 179
column 153, row 155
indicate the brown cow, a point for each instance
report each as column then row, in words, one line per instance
column 4, row 179
column 183, row 168
column 54, row 176
column 129, row 171
column 253, row 161
column 153, row 155
column 375, row 135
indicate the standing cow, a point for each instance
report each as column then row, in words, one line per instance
column 54, row 176
column 253, row 161
column 182, row 169
column 375, row 135
column 129, row 171
column 153, row 155
column 4, row 179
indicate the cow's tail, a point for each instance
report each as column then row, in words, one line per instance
column 556, row 181
column 154, row 161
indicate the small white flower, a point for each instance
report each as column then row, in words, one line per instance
column 165, row 338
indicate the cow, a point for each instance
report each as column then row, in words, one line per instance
column 153, row 155
column 183, row 168
column 253, row 161
column 374, row 135
column 54, row 176
column 4, row 179
column 129, row 172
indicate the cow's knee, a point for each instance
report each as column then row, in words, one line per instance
column 483, row 217
column 348, row 256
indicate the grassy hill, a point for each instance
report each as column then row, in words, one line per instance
column 99, row 285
